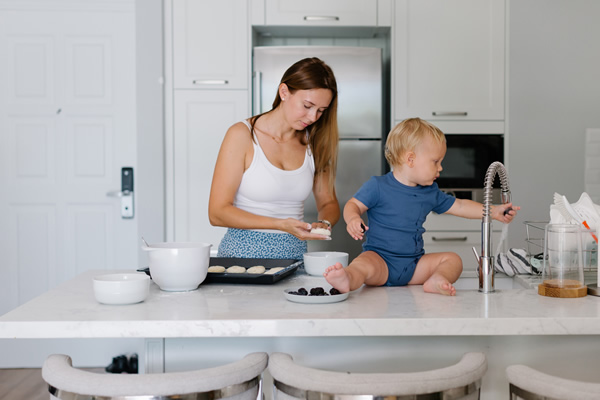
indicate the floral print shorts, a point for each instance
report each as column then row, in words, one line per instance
column 243, row 243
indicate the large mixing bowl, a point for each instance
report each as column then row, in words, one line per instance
column 178, row 266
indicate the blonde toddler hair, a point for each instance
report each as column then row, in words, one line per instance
column 406, row 136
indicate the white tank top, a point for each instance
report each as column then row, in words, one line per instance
column 273, row 192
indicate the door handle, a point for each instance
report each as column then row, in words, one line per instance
column 126, row 193
column 449, row 239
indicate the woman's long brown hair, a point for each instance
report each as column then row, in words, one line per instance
column 323, row 135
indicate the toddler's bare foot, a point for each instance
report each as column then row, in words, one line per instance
column 337, row 277
column 439, row 284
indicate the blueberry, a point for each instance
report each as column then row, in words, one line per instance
column 302, row 292
column 334, row 291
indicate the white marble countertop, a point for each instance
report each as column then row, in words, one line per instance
column 219, row 310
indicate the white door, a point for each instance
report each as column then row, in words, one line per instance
column 67, row 127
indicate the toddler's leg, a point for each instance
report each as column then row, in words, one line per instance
column 368, row 268
column 437, row 272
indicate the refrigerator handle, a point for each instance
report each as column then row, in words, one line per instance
column 257, row 109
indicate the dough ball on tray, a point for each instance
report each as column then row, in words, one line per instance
column 236, row 269
column 216, row 268
column 273, row 271
column 257, row 270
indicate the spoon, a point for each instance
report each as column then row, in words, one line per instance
column 146, row 243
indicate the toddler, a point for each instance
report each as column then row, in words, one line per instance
column 397, row 205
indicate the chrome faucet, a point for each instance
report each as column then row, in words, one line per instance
column 485, row 269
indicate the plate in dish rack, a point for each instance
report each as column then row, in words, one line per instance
column 332, row 298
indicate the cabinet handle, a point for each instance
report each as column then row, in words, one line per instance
column 449, row 239
column 210, row 82
column 257, row 106
column 320, row 18
column 449, row 113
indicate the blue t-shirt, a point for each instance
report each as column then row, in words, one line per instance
column 397, row 213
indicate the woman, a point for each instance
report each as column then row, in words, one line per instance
column 268, row 165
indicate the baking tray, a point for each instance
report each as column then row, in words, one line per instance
column 290, row 266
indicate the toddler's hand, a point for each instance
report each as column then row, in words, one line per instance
column 505, row 213
column 356, row 228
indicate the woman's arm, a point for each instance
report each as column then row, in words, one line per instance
column 234, row 158
column 328, row 207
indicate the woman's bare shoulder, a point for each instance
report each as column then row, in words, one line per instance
column 239, row 132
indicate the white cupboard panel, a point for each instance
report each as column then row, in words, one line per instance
column 88, row 70
column 32, row 150
column 35, row 243
column 459, row 242
column 201, row 119
column 89, row 157
column 90, row 234
column 210, row 44
column 29, row 262
column 30, row 64
column 449, row 59
column 321, row 13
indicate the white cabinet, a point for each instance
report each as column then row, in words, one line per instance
column 207, row 73
column 211, row 44
column 447, row 232
column 448, row 60
column 201, row 118
column 321, row 13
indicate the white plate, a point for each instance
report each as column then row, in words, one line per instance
column 296, row 298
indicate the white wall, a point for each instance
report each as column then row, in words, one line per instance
column 150, row 178
column 553, row 96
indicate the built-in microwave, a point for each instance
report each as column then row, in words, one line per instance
column 467, row 159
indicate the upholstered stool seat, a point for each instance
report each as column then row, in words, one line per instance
column 238, row 380
column 459, row 381
column 529, row 384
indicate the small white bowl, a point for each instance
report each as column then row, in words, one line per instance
column 316, row 262
column 121, row 288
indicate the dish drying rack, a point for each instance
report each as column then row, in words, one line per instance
column 535, row 232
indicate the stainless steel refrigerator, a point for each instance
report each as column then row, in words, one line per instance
column 358, row 72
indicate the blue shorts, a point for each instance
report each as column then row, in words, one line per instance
column 243, row 243
column 400, row 268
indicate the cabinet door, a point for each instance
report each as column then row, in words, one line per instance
column 321, row 13
column 201, row 118
column 210, row 44
column 449, row 59
column 459, row 242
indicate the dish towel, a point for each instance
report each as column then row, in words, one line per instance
column 515, row 262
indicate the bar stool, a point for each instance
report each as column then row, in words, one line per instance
column 237, row 380
column 459, row 381
column 529, row 384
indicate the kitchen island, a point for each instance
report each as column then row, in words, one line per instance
column 368, row 331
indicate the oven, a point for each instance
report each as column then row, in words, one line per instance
column 467, row 159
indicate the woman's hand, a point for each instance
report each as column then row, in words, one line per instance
column 300, row 229
column 357, row 228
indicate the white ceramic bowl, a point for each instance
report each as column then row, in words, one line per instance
column 178, row 266
column 121, row 288
column 316, row 262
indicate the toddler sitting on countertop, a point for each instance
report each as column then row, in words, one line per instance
column 397, row 205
